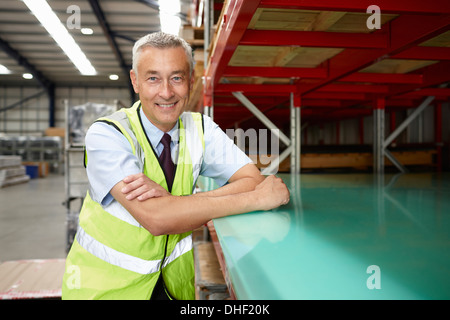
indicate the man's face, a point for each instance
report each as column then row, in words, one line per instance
column 163, row 83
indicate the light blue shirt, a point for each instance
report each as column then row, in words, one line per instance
column 111, row 159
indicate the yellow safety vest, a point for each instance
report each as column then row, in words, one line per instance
column 113, row 256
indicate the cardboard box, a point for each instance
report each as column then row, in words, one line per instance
column 31, row 279
column 55, row 132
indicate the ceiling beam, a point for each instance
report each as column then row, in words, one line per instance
column 22, row 61
column 99, row 14
column 432, row 75
column 336, row 95
column 43, row 81
column 275, row 72
column 354, row 88
column 275, row 89
column 231, row 100
column 150, row 3
column 441, row 93
column 95, row 5
column 394, row 78
column 424, row 53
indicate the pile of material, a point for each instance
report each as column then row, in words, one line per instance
column 31, row 279
column 12, row 171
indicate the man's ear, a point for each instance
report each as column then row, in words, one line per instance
column 134, row 81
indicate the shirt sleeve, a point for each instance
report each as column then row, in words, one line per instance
column 222, row 157
column 109, row 160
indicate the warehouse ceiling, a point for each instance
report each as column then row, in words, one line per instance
column 26, row 46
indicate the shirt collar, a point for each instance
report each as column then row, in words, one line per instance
column 153, row 133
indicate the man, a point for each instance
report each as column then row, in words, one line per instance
column 134, row 238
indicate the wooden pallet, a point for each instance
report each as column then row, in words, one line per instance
column 209, row 281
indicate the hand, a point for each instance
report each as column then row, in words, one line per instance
column 142, row 187
column 272, row 193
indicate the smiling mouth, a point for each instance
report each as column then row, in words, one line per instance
column 167, row 105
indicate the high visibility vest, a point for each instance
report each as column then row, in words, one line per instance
column 113, row 256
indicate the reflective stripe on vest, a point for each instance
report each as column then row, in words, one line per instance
column 126, row 261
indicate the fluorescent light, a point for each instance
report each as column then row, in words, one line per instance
column 87, row 31
column 200, row 14
column 56, row 29
column 27, row 76
column 4, row 70
column 170, row 23
column 113, row 77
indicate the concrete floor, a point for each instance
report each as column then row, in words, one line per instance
column 33, row 219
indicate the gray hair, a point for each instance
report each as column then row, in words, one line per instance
column 161, row 40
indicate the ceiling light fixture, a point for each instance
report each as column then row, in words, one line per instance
column 56, row 29
column 4, row 70
column 87, row 31
column 170, row 22
column 113, row 77
column 27, row 76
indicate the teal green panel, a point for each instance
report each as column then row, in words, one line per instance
column 335, row 227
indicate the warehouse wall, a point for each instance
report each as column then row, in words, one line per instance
column 32, row 117
column 28, row 117
column 421, row 130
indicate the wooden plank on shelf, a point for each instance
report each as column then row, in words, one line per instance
column 335, row 160
column 268, row 56
column 282, row 19
column 312, row 20
column 352, row 160
column 421, row 157
column 442, row 40
column 398, row 66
